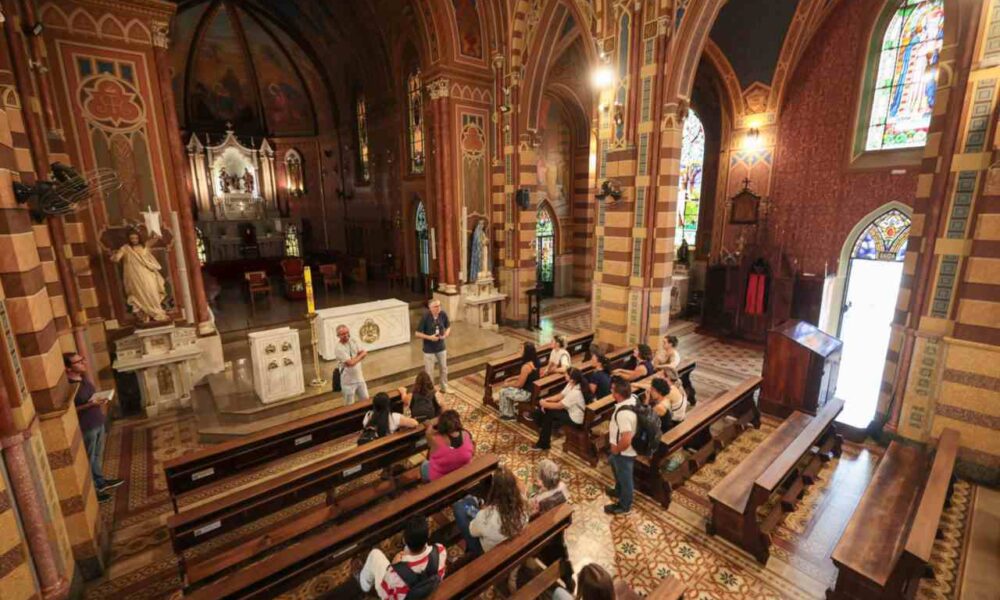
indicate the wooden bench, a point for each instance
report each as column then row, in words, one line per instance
column 499, row 370
column 494, row 566
column 584, row 441
column 694, row 433
column 216, row 464
column 886, row 547
column 776, row 461
column 293, row 564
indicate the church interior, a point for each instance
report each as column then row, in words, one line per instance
column 211, row 211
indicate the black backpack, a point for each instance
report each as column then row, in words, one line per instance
column 422, row 584
column 647, row 434
column 370, row 432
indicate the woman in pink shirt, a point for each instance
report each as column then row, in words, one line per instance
column 451, row 447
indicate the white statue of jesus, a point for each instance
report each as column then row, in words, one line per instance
column 145, row 289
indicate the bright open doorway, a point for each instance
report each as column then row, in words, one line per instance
column 874, row 273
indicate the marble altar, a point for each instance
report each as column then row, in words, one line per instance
column 162, row 357
column 374, row 325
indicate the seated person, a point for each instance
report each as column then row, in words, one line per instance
column 643, row 364
column 658, row 398
column 418, row 566
column 383, row 419
column 667, row 355
column 600, row 376
column 518, row 388
column 559, row 360
column 422, row 402
column 595, row 583
column 678, row 395
column 549, row 489
column 501, row 516
column 567, row 406
column 451, row 447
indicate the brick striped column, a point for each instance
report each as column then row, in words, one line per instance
column 16, row 577
column 584, row 212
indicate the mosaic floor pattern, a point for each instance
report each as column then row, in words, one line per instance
column 642, row 547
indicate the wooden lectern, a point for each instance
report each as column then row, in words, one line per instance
column 800, row 369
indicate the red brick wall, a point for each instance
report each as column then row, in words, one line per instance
column 817, row 198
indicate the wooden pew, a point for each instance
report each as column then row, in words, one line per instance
column 694, row 432
column 499, row 370
column 774, row 462
column 887, row 545
column 223, row 514
column 480, row 574
column 588, row 445
column 295, row 563
column 215, row 464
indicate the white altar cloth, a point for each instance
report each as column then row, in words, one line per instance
column 373, row 325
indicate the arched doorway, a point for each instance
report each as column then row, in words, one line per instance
column 545, row 250
column 423, row 247
column 874, row 270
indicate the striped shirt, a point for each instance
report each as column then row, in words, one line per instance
column 394, row 588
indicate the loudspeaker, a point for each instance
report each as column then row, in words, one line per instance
column 523, row 198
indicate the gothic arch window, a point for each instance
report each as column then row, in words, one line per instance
column 361, row 113
column 884, row 239
column 200, row 246
column 621, row 90
column 689, row 188
column 545, row 248
column 292, row 247
column 294, row 178
column 423, row 240
column 415, row 121
column 901, row 78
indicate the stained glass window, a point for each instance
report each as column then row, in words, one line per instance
column 689, row 186
column 906, row 80
column 199, row 244
column 885, row 238
column 416, row 123
column 292, row 241
column 363, row 139
column 621, row 93
column 423, row 240
column 544, row 247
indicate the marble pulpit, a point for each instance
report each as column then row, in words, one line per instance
column 373, row 325
column 162, row 357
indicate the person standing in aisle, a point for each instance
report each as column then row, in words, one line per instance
column 349, row 357
column 433, row 329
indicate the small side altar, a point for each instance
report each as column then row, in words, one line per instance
column 480, row 301
column 277, row 364
column 373, row 325
column 162, row 357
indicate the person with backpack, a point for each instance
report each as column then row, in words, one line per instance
column 349, row 356
column 567, row 406
column 634, row 429
column 421, row 402
column 415, row 572
column 380, row 421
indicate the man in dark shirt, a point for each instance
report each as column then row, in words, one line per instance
column 434, row 327
column 90, row 411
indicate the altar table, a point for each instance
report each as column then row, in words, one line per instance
column 373, row 325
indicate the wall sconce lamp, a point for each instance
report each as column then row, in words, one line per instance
column 752, row 140
column 602, row 77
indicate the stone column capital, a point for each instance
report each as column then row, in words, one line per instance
column 439, row 88
column 161, row 33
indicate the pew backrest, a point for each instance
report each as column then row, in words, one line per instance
column 707, row 413
column 920, row 539
column 768, row 481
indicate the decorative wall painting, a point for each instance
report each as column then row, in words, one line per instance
column 220, row 90
column 470, row 39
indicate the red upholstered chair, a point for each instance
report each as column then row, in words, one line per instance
column 332, row 276
column 257, row 283
column 292, row 270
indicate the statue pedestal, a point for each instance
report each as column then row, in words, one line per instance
column 480, row 301
column 162, row 357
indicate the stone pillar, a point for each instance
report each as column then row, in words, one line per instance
column 583, row 211
column 186, row 235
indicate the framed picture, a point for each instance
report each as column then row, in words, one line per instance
column 744, row 208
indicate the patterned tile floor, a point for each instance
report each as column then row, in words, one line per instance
column 641, row 547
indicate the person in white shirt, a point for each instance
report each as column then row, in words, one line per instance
column 667, row 355
column 565, row 407
column 622, row 457
column 503, row 514
column 349, row 357
column 384, row 577
column 384, row 420
column 559, row 360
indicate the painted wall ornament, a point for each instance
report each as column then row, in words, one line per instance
column 111, row 104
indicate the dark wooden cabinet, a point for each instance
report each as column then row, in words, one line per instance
column 808, row 298
column 800, row 369
column 721, row 299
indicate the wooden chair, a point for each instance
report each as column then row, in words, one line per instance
column 293, row 271
column 332, row 276
column 395, row 278
column 257, row 283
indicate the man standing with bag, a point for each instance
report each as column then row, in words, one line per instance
column 622, row 457
column 349, row 357
column 434, row 327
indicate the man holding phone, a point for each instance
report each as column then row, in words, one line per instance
column 91, row 412
column 434, row 328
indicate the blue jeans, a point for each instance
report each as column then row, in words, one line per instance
column 465, row 510
column 624, row 486
column 93, row 441
column 425, row 471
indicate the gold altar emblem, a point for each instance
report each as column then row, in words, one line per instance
column 369, row 332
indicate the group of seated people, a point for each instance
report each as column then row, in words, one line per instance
column 666, row 394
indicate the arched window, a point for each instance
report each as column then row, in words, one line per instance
column 423, row 240
column 545, row 249
column 621, row 91
column 884, row 239
column 415, row 124
column 294, row 180
column 362, row 117
column 689, row 186
column 292, row 247
column 200, row 246
column 903, row 74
